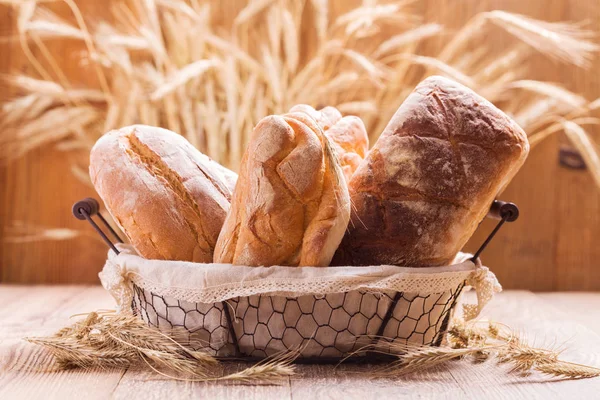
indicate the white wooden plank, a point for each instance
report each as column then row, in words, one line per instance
column 42, row 311
column 350, row 382
column 151, row 385
column 583, row 307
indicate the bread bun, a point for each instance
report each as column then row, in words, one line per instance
column 348, row 135
column 167, row 197
column 291, row 204
column 431, row 177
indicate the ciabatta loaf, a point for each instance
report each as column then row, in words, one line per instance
column 291, row 203
column 348, row 135
column 431, row 177
column 167, row 197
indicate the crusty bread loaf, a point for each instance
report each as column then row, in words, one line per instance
column 348, row 135
column 167, row 197
column 430, row 178
column 291, row 204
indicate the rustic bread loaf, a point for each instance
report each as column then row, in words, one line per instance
column 431, row 177
column 348, row 135
column 167, row 197
column 291, row 204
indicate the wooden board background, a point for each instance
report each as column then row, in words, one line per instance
column 553, row 246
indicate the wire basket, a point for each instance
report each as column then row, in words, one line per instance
column 324, row 328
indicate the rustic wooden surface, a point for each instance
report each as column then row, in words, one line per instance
column 546, row 318
column 553, row 246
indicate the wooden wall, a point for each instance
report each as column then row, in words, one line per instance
column 553, row 246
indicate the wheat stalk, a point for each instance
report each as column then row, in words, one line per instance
column 470, row 340
column 276, row 367
column 106, row 340
column 587, row 148
column 560, row 40
column 173, row 64
column 413, row 360
column 188, row 69
column 563, row 369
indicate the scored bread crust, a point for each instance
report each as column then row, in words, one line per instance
column 169, row 199
column 348, row 135
column 291, row 203
column 431, row 177
column 351, row 143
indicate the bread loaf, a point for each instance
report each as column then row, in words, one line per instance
column 431, row 177
column 348, row 135
column 291, row 204
column 168, row 198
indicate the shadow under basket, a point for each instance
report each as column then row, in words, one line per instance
column 327, row 314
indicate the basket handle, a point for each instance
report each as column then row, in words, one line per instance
column 505, row 212
column 86, row 208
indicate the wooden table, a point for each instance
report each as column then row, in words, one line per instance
column 571, row 318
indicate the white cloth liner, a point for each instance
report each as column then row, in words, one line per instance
column 211, row 283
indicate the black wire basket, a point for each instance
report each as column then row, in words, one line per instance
column 327, row 327
column 324, row 328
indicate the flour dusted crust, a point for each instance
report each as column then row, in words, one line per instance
column 291, row 203
column 167, row 197
column 430, row 178
column 348, row 135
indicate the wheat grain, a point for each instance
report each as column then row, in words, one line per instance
column 359, row 20
column 51, row 30
column 479, row 344
column 550, row 90
column 24, row 108
column 565, row 42
column 107, row 340
column 585, row 146
column 50, row 127
column 32, row 85
column 276, row 367
column 181, row 77
column 290, row 41
column 507, row 61
column 562, row 369
column 409, row 37
column 181, row 7
column 252, row 9
column 440, row 66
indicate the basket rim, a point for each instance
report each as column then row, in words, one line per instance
column 462, row 262
column 209, row 283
